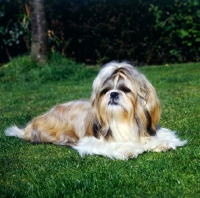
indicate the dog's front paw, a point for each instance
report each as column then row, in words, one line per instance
column 128, row 150
column 164, row 147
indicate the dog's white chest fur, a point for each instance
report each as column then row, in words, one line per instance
column 122, row 132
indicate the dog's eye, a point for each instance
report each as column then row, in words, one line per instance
column 125, row 90
column 104, row 91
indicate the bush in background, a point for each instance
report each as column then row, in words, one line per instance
column 96, row 31
column 177, row 27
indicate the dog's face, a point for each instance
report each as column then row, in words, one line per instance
column 116, row 98
column 123, row 99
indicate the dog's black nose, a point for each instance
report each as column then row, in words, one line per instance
column 114, row 95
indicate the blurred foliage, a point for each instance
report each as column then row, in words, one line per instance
column 177, row 25
column 14, row 29
column 96, row 31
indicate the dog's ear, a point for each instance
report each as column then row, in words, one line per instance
column 96, row 127
column 143, row 93
column 153, row 108
column 151, row 129
column 147, row 98
column 147, row 112
column 98, row 130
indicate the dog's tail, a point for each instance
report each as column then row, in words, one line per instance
column 15, row 131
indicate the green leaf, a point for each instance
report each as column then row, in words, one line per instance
column 197, row 39
column 183, row 33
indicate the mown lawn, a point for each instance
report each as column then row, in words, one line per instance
column 46, row 170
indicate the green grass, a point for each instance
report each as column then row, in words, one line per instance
column 46, row 170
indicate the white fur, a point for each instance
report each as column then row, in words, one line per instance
column 14, row 131
column 164, row 140
column 113, row 150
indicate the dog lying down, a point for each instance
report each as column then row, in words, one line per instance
column 120, row 121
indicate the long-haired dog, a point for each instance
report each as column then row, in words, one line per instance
column 120, row 121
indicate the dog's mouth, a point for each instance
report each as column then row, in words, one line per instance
column 113, row 102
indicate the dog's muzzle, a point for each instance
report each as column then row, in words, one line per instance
column 114, row 96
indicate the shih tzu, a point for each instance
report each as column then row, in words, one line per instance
column 120, row 120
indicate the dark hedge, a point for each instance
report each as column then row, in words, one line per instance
column 142, row 31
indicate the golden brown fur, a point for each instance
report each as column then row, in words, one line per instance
column 57, row 125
